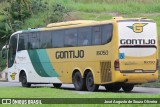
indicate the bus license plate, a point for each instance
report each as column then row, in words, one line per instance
column 138, row 70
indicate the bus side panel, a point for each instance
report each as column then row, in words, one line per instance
column 25, row 62
column 65, row 62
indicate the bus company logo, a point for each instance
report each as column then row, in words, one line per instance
column 137, row 27
column 13, row 75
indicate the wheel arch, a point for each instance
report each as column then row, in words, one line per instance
column 20, row 73
column 86, row 72
column 76, row 70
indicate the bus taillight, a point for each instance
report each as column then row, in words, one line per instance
column 116, row 65
column 157, row 64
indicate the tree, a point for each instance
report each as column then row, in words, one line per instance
column 20, row 6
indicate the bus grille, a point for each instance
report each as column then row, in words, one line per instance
column 106, row 74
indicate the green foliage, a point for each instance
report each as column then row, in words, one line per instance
column 17, row 12
column 38, row 6
column 57, row 12
column 14, row 15
column 121, row 6
column 2, row 61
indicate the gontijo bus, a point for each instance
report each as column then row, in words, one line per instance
column 116, row 53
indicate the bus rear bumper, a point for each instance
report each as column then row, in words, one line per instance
column 136, row 78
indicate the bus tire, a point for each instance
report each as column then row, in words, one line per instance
column 128, row 87
column 78, row 81
column 90, row 83
column 113, row 87
column 57, row 85
column 24, row 80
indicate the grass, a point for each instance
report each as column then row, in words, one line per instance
column 85, row 105
column 43, row 92
column 112, row 6
column 46, row 92
column 36, row 21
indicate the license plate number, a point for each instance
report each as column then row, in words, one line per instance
column 138, row 70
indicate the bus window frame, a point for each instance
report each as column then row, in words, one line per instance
column 63, row 30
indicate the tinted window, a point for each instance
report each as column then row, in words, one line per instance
column 96, row 35
column 12, row 50
column 23, row 42
column 71, row 37
column 84, row 36
column 107, row 33
column 58, row 39
column 45, row 39
column 33, row 41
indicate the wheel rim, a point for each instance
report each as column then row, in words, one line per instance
column 24, row 81
column 90, row 81
column 78, row 81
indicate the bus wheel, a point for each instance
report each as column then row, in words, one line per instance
column 90, row 83
column 113, row 87
column 24, row 80
column 128, row 87
column 78, row 81
column 57, row 85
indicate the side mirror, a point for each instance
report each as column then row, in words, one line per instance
column 4, row 51
column 3, row 54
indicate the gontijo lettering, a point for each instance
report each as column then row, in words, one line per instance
column 137, row 41
column 69, row 54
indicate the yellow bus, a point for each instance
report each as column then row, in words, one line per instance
column 117, row 53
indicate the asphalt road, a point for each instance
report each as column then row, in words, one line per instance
column 70, row 87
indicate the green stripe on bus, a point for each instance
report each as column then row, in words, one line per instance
column 36, row 63
column 46, row 64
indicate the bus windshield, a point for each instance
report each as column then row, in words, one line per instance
column 12, row 50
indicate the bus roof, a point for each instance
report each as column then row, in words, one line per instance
column 68, row 23
column 80, row 23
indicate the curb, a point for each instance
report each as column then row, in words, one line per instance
column 3, row 80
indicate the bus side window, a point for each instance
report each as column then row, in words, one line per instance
column 33, row 41
column 23, row 42
column 107, row 31
column 84, row 36
column 96, row 35
column 58, row 39
column 71, row 37
column 45, row 39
